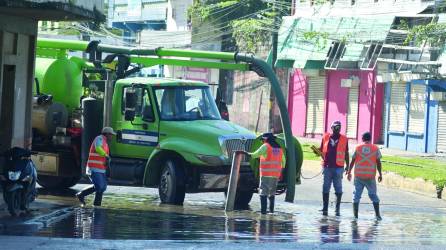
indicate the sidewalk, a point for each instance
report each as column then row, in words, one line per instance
column 390, row 179
column 384, row 150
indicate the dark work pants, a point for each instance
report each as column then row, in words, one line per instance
column 99, row 186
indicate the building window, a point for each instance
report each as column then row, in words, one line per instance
column 334, row 55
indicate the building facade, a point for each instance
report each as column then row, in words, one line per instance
column 352, row 61
column 319, row 97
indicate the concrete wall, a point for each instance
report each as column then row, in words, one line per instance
column 177, row 15
column 89, row 5
column 361, row 7
column 18, row 37
column 250, row 106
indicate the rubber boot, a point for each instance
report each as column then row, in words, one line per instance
column 97, row 199
column 338, row 204
column 271, row 204
column 263, row 203
column 325, row 199
column 377, row 213
column 355, row 210
column 86, row 191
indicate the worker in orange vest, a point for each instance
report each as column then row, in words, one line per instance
column 366, row 160
column 272, row 160
column 334, row 154
column 97, row 164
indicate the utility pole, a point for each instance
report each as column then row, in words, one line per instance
column 274, row 41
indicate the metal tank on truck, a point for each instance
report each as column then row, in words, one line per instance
column 56, row 120
column 170, row 133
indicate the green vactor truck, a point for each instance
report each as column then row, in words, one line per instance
column 170, row 134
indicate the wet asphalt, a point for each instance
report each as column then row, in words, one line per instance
column 132, row 217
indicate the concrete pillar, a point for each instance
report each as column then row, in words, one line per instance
column 17, row 51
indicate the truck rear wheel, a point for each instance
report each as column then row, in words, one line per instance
column 171, row 187
column 52, row 182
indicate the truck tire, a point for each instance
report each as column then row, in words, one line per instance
column 53, row 182
column 171, row 187
column 242, row 199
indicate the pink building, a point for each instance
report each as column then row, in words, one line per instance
column 319, row 97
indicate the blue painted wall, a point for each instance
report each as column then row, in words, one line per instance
column 432, row 126
column 418, row 142
column 387, row 110
column 403, row 140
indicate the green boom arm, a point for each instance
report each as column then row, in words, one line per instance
column 226, row 60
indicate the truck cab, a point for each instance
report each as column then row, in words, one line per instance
column 170, row 136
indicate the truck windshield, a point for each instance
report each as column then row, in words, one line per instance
column 186, row 103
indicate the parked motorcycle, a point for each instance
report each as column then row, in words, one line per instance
column 18, row 180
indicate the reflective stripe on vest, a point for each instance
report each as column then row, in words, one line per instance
column 365, row 162
column 271, row 165
column 340, row 149
column 94, row 159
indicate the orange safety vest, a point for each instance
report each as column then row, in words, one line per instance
column 94, row 159
column 340, row 149
column 365, row 162
column 271, row 165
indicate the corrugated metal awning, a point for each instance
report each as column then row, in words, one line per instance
column 295, row 50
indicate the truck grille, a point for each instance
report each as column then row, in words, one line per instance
column 238, row 144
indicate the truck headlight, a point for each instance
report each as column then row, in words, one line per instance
column 211, row 159
column 14, row 175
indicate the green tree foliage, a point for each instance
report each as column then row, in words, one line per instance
column 434, row 34
column 250, row 22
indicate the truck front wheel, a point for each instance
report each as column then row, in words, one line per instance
column 172, row 188
column 242, row 199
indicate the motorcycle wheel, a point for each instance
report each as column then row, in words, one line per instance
column 13, row 201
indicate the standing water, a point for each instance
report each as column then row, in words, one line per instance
column 143, row 218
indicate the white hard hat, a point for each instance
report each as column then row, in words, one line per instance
column 108, row 130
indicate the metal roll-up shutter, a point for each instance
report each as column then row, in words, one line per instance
column 315, row 105
column 441, row 136
column 397, row 112
column 417, row 108
column 352, row 115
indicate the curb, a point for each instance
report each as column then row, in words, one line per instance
column 392, row 180
column 417, row 185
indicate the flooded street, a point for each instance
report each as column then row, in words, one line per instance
column 132, row 213
column 195, row 222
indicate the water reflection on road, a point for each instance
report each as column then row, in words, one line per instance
column 143, row 218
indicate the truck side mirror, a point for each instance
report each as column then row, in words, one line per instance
column 130, row 105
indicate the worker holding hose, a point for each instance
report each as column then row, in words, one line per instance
column 272, row 161
column 334, row 154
